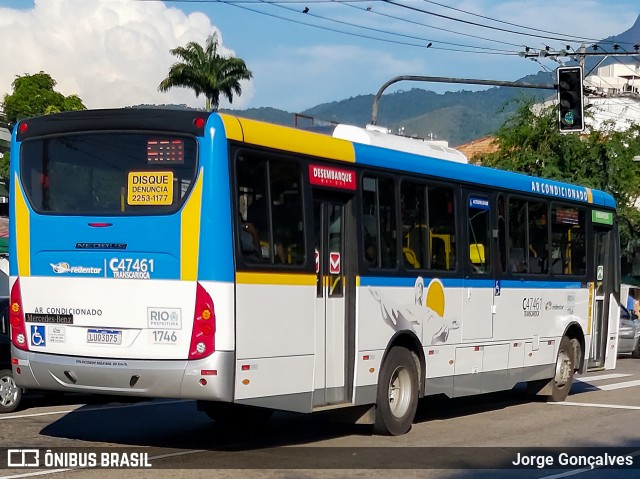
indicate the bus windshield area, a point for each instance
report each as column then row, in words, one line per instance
column 108, row 173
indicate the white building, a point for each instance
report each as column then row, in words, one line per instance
column 617, row 95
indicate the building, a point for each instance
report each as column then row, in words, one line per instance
column 613, row 95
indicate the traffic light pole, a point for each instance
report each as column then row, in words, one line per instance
column 468, row 81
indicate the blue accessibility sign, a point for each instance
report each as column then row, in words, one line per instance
column 38, row 336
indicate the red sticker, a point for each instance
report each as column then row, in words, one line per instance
column 333, row 177
column 334, row 263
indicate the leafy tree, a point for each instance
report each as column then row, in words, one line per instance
column 206, row 72
column 34, row 95
column 530, row 142
column 4, row 165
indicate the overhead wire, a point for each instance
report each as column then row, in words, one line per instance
column 426, row 40
column 469, row 22
column 375, row 12
column 243, row 5
column 579, row 39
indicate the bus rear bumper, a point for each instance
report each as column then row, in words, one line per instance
column 210, row 379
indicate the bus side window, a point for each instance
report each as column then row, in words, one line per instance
column 270, row 200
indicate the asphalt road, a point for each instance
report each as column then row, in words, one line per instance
column 456, row 438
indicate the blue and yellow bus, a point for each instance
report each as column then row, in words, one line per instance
column 255, row 267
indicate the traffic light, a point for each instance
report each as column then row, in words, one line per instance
column 570, row 107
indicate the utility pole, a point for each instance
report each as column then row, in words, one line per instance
column 469, row 81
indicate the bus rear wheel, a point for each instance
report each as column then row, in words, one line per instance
column 564, row 371
column 397, row 397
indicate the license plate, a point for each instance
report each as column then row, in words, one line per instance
column 104, row 336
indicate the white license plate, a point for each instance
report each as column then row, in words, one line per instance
column 104, row 336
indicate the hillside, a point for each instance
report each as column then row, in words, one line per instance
column 454, row 116
column 458, row 117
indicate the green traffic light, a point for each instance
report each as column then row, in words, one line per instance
column 569, row 118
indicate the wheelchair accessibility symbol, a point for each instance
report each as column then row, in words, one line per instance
column 38, row 336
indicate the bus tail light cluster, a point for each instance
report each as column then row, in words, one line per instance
column 204, row 326
column 16, row 319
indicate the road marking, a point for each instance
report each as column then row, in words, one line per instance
column 602, row 377
column 628, row 384
column 55, row 471
column 604, row 406
column 38, row 473
column 91, row 409
column 575, row 472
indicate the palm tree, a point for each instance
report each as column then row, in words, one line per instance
column 206, row 71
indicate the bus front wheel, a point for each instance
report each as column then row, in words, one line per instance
column 397, row 397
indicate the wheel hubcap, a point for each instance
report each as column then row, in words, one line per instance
column 399, row 392
column 8, row 391
column 563, row 369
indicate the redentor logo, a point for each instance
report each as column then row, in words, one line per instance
column 332, row 177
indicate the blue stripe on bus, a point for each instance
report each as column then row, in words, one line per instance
column 528, row 284
column 216, row 253
column 380, row 157
column 396, row 281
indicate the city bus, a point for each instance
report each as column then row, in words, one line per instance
column 253, row 267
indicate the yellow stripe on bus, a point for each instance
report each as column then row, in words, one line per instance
column 23, row 231
column 289, row 139
column 190, row 232
column 295, row 279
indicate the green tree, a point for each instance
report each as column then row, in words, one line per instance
column 206, row 72
column 34, row 95
column 530, row 142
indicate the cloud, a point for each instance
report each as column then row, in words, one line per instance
column 110, row 53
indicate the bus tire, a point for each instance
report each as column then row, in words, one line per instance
column 10, row 393
column 564, row 371
column 397, row 396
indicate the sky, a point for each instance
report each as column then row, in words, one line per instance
column 114, row 53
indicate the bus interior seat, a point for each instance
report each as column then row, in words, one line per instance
column 410, row 258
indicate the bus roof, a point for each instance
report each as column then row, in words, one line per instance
column 355, row 145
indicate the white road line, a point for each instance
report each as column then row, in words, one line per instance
column 575, row 472
column 55, row 471
column 611, row 387
column 37, row 473
column 91, row 409
column 604, row 406
column 601, row 377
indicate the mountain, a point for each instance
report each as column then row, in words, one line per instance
column 454, row 116
column 458, row 117
column 626, row 40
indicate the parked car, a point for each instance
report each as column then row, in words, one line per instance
column 629, row 333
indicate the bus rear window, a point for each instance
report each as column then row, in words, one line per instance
column 110, row 173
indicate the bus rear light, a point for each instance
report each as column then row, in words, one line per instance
column 204, row 326
column 16, row 315
column 23, row 127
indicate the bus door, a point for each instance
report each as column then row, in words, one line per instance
column 479, row 285
column 605, row 312
column 335, row 272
